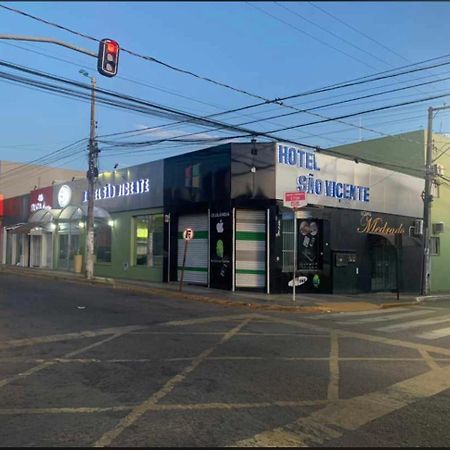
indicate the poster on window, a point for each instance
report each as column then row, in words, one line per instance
column 221, row 249
column 309, row 244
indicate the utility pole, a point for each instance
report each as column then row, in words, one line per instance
column 92, row 174
column 427, row 199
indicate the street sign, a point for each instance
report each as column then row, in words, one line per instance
column 298, row 281
column 188, row 234
column 295, row 199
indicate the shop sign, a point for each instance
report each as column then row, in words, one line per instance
column 64, row 195
column 221, row 247
column 41, row 199
column 378, row 226
column 127, row 189
column 311, row 184
column 345, row 183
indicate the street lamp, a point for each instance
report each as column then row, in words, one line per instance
column 92, row 174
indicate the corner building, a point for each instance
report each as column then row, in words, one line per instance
column 356, row 234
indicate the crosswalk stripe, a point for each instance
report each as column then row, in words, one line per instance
column 435, row 334
column 359, row 313
column 385, row 318
column 413, row 324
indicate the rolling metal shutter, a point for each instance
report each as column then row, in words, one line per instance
column 250, row 248
column 196, row 269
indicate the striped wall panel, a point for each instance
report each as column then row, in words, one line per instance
column 250, row 248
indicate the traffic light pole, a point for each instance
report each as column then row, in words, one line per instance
column 91, row 176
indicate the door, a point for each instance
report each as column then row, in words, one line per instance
column 196, row 266
column 250, row 248
column 384, row 264
column 36, row 242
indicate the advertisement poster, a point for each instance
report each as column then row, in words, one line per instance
column 221, row 250
column 309, row 244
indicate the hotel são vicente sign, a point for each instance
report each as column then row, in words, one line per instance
column 344, row 183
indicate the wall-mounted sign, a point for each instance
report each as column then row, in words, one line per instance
column 344, row 183
column 64, row 195
column 378, row 226
column 41, row 199
column 127, row 189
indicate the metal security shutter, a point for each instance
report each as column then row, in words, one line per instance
column 196, row 269
column 250, row 248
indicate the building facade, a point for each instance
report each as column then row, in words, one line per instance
column 354, row 234
column 406, row 153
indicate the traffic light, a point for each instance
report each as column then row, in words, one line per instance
column 108, row 57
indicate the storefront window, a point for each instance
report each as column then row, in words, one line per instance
column 102, row 242
column 148, row 232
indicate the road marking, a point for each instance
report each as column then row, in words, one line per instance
column 335, row 419
column 387, row 318
column 44, row 365
column 413, row 324
column 163, row 407
column 428, row 359
column 435, row 334
column 141, row 409
column 358, row 313
column 333, row 385
column 67, row 336
column 210, row 319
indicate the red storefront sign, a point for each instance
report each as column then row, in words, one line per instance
column 41, row 199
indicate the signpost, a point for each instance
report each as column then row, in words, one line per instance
column 188, row 234
column 294, row 200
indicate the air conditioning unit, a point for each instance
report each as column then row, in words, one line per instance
column 438, row 227
column 418, row 227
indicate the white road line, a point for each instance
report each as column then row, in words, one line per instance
column 413, row 324
column 338, row 418
column 357, row 313
column 435, row 334
column 68, row 336
column 145, row 406
column 386, row 318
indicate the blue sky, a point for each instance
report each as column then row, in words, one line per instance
column 260, row 47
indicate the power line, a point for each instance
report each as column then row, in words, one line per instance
column 147, row 58
column 358, row 31
column 331, row 33
column 310, row 35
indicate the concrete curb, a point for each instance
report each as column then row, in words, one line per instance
column 245, row 303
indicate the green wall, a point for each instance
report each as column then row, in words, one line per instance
column 440, row 212
column 122, row 250
column 405, row 152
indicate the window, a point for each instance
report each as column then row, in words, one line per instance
column 148, row 234
column 287, row 227
column 102, row 242
column 435, row 246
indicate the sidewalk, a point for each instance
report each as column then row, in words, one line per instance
column 305, row 303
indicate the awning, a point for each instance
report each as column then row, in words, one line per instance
column 71, row 212
column 23, row 228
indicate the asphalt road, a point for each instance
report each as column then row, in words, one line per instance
column 85, row 365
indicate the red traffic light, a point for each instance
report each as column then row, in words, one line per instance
column 112, row 47
column 108, row 57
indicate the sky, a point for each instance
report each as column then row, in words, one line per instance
column 267, row 49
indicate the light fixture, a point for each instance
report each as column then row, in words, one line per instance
column 111, row 223
column 81, row 224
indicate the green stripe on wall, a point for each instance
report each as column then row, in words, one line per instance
column 194, row 269
column 250, row 236
column 251, row 272
column 197, row 235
